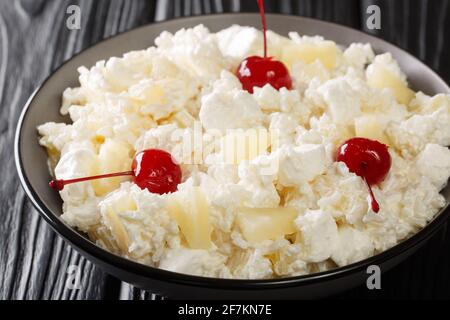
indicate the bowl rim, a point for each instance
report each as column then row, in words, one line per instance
column 91, row 249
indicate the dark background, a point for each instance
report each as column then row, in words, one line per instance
column 34, row 41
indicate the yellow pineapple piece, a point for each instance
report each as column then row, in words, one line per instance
column 124, row 204
column 370, row 127
column 114, row 234
column 98, row 139
column 118, row 230
column 53, row 157
column 113, row 157
column 274, row 257
column 325, row 51
column 192, row 217
column 149, row 93
column 259, row 224
column 380, row 77
column 184, row 119
column 103, row 235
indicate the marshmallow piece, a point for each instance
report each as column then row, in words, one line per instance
column 238, row 42
column 301, row 164
column 351, row 246
column 434, row 163
column 194, row 261
column 76, row 163
column 229, row 109
column 343, row 103
column 358, row 54
column 319, row 235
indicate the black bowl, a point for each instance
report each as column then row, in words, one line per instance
column 43, row 106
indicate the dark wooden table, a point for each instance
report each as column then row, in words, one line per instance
column 34, row 40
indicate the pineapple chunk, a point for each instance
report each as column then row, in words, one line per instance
column 113, row 157
column 117, row 229
column 149, row 93
column 242, row 145
column 53, row 157
column 326, row 52
column 98, row 139
column 193, row 219
column 259, row 224
column 184, row 119
column 380, row 77
column 124, row 204
column 103, row 235
column 370, row 127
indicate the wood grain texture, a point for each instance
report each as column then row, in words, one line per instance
column 34, row 41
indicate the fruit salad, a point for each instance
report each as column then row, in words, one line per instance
column 214, row 155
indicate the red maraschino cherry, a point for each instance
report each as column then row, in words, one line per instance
column 368, row 159
column 258, row 71
column 152, row 169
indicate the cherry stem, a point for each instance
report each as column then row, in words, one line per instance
column 59, row 184
column 373, row 202
column 263, row 21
